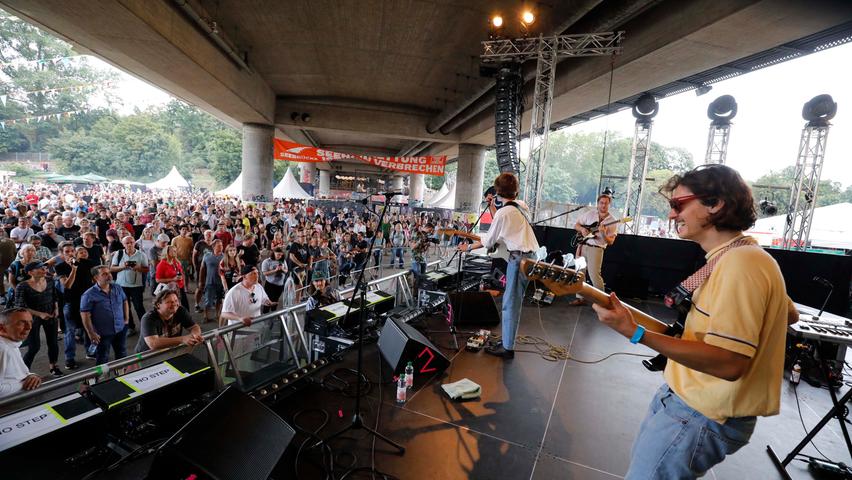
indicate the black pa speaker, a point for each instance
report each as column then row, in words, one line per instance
column 474, row 309
column 233, row 437
column 401, row 343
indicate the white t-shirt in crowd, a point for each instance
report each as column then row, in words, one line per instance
column 239, row 301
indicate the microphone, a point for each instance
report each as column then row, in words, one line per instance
column 825, row 283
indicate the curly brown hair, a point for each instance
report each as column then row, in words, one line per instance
column 506, row 185
column 714, row 183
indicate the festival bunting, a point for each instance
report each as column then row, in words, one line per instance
column 295, row 152
column 38, row 118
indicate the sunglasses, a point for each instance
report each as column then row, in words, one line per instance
column 678, row 203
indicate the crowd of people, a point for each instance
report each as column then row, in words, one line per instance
column 98, row 266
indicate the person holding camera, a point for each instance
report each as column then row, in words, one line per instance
column 130, row 266
column 274, row 271
column 73, row 268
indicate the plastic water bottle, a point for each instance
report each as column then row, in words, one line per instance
column 796, row 373
column 409, row 375
column 401, row 390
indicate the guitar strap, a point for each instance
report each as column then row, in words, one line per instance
column 680, row 298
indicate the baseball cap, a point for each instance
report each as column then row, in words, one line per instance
column 33, row 266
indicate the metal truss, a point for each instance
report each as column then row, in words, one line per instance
column 803, row 195
column 636, row 180
column 547, row 51
column 579, row 45
column 717, row 144
column 545, row 76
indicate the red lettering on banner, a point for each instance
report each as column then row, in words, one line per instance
column 295, row 152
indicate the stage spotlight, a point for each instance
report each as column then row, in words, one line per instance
column 767, row 207
column 496, row 21
column 703, row 89
column 495, row 28
column 527, row 17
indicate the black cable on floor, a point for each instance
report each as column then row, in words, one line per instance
column 801, row 419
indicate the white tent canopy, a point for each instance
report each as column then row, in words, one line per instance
column 437, row 195
column 125, row 182
column 235, row 189
column 173, row 180
column 831, row 227
column 289, row 188
column 448, row 201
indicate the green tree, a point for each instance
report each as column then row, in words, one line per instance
column 42, row 76
column 223, row 154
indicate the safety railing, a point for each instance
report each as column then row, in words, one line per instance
column 289, row 320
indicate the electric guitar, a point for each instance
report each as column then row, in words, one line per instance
column 498, row 251
column 565, row 281
column 593, row 229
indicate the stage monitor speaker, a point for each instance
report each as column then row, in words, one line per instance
column 474, row 309
column 400, row 343
column 233, row 437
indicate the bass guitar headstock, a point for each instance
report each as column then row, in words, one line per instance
column 560, row 280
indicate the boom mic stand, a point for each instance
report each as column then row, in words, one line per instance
column 357, row 420
column 558, row 215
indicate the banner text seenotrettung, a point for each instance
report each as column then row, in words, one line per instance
column 295, row 152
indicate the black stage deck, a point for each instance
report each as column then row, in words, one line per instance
column 536, row 418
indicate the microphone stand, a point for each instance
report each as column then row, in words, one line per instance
column 357, row 420
column 559, row 215
column 824, row 303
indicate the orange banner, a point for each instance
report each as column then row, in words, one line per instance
column 295, row 152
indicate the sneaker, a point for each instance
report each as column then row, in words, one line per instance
column 56, row 372
column 499, row 351
column 71, row 365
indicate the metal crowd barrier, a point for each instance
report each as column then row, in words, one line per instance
column 219, row 336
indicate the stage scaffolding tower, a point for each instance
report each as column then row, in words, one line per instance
column 804, row 193
column 547, row 51
column 644, row 110
column 720, row 111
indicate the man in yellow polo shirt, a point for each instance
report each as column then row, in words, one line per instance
column 727, row 367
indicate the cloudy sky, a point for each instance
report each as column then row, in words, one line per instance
column 764, row 136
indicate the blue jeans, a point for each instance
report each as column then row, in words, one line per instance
column 397, row 252
column 118, row 343
column 675, row 441
column 71, row 311
column 513, row 298
column 418, row 269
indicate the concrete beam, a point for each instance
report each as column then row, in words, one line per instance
column 153, row 40
column 672, row 41
column 383, row 121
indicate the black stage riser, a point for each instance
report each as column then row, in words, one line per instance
column 656, row 265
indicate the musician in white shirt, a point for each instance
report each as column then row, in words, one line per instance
column 510, row 227
column 593, row 249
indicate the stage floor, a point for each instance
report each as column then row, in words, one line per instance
column 536, row 419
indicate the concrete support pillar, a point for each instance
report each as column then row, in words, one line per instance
column 324, row 183
column 257, row 162
column 469, row 177
column 397, row 183
column 416, row 187
column 309, row 173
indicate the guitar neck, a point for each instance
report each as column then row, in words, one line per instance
column 601, row 298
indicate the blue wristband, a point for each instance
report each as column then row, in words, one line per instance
column 638, row 334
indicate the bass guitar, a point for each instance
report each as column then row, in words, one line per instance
column 566, row 281
column 498, row 251
column 593, row 229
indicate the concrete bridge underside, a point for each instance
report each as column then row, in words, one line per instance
column 401, row 77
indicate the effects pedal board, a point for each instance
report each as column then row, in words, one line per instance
column 476, row 342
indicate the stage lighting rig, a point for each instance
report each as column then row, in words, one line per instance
column 527, row 19
column 495, row 27
column 702, row 90
column 720, row 112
